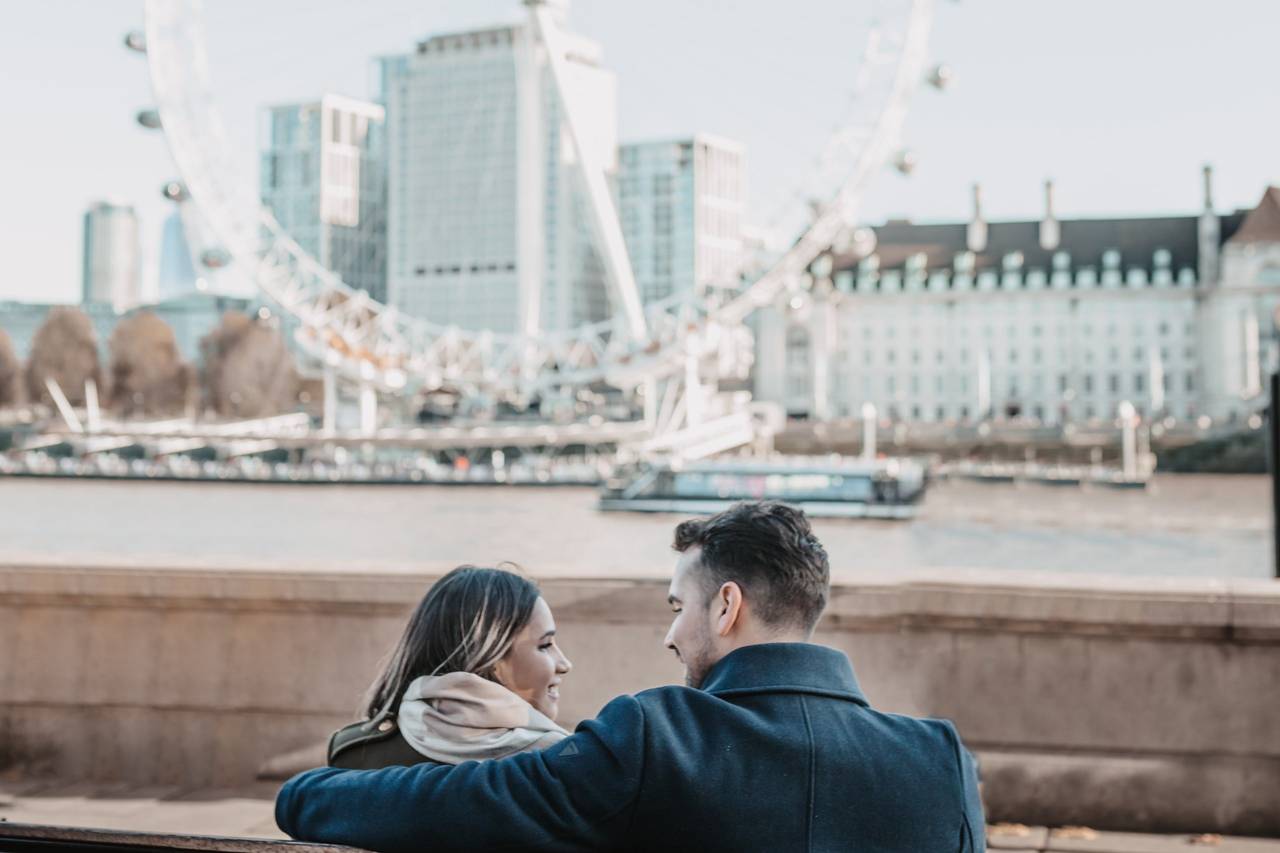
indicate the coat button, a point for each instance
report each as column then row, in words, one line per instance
column 386, row 726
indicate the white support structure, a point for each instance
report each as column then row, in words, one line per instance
column 869, row 424
column 329, row 422
column 984, row 385
column 822, row 332
column 92, row 411
column 531, row 176
column 606, row 227
column 1252, row 355
column 64, row 406
column 694, row 394
column 1129, row 440
column 368, row 410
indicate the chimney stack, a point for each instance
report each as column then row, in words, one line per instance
column 1050, row 229
column 976, row 235
column 1210, row 231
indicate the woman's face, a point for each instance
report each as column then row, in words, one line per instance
column 535, row 665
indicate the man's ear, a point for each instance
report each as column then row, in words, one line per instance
column 728, row 607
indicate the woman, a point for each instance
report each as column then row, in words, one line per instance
column 476, row 675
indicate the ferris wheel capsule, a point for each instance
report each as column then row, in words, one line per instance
column 149, row 119
column 215, row 258
column 856, row 241
column 136, row 41
column 906, row 161
column 175, row 191
column 941, row 77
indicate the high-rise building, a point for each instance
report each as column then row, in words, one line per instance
column 177, row 276
column 112, row 269
column 324, row 178
column 681, row 204
column 488, row 220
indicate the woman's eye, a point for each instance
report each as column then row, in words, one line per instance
column 546, row 646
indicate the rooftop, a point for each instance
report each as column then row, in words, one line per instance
column 1121, row 243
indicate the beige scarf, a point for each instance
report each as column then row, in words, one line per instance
column 460, row 717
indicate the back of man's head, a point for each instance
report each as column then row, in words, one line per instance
column 769, row 550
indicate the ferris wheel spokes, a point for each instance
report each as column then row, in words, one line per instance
column 372, row 344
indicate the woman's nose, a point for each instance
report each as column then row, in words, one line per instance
column 564, row 664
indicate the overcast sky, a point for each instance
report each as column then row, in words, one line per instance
column 1120, row 101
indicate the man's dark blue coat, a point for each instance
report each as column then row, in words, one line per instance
column 778, row 751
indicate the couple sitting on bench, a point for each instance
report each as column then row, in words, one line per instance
column 771, row 746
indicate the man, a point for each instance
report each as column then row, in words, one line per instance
column 772, row 745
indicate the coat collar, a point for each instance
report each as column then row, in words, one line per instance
column 784, row 668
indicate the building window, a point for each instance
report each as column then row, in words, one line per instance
column 1113, row 383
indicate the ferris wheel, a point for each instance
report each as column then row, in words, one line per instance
column 666, row 354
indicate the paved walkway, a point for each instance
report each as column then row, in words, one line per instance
column 247, row 813
column 242, row 813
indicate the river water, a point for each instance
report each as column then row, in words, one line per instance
column 1204, row 526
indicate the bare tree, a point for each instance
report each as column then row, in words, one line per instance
column 10, row 373
column 65, row 349
column 248, row 371
column 148, row 375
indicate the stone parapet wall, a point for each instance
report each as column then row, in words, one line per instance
column 1142, row 704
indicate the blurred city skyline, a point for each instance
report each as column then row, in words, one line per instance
column 1119, row 105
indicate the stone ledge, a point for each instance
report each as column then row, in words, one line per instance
column 1244, row 611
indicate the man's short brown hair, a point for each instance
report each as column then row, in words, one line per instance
column 768, row 549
